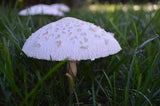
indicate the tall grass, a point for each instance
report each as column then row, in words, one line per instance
column 131, row 77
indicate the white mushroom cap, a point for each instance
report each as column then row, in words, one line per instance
column 61, row 7
column 41, row 9
column 72, row 39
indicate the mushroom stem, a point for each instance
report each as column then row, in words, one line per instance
column 73, row 73
column 73, row 68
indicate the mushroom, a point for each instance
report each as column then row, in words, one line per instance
column 72, row 39
column 41, row 9
column 61, row 7
column 136, row 8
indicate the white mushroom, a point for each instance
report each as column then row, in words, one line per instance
column 72, row 39
column 41, row 9
column 136, row 8
column 61, row 7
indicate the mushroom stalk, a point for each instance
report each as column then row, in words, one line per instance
column 72, row 73
column 73, row 68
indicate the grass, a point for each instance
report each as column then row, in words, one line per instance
column 131, row 77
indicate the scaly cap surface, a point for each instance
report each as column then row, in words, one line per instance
column 72, row 39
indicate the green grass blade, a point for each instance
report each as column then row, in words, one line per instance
column 139, row 83
column 148, row 41
column 148, row 24
column 25, row 84
column 8, row 70
column 156, row 93
column 109, row 82
column 101, row 87
column 150, row 71
column 93, row 94
column 75, row 93
column 128, row 81
column 114, row 92
column 114, row 26
column 136, row 42
column 147, row 99
column 42, row 80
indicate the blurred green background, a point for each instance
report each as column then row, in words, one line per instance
column 71, row 3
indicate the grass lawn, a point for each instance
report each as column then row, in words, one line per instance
column 130, row 78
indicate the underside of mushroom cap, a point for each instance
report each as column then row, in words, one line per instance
column 72, row 39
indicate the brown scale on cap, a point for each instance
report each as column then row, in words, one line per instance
column 47, row 37
column 57, row 29
column 36, row 44
column 83, row 33
column 103, row 31
column 45, row 33
column 85, row 39
column 79, row 29
column 67, row 24
column 63, row 32
column 97, row 36
column 84, row 47
column 38, row 36
column 31, row 38
column 80, row 42
column 106, row 41
column 92, row 29
column 49, row 27
column 57, row 25
column 72, row 38
column 77, row 25
column 102, row 34
column 112, row 34
column 82, row 23
column 61, row 25
column 59, row 43
column 58, row 36
column 70, row 27
column 51, row 35
column 70, row 34
column 75, row 37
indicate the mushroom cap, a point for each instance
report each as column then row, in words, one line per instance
column 72, row 39
column 61, row 7
column 41, row 9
